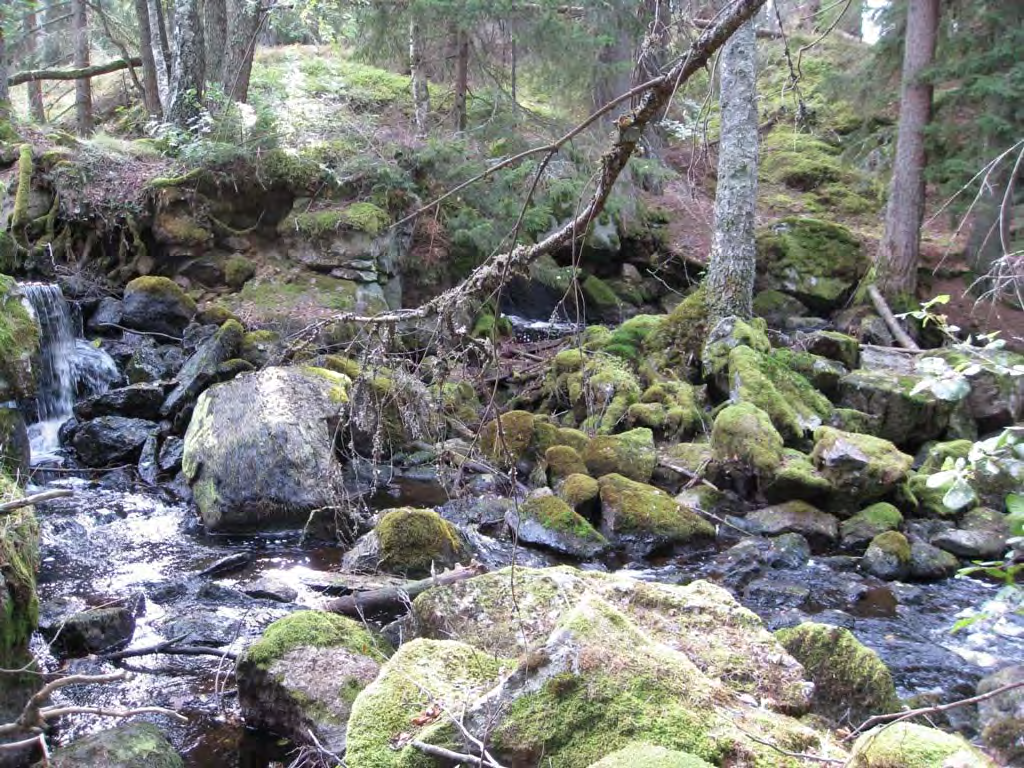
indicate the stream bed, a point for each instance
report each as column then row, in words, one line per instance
column 108, row 545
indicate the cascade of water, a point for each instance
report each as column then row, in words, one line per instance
column 67, row 364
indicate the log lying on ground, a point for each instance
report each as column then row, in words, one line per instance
column 31, row 75
column 38, row 498
column 394, row 598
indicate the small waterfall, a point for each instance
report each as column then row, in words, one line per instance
column 67, row 365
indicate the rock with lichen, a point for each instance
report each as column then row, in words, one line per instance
column 631, row 454
column 133, row 745
column 547, row 521
column 642, row 518
column 907, row 418
column 887, row 556
column 860, row 467
column 281, row 682
column 859, row 530
column 909, row 745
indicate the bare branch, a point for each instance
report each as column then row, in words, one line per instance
column 36, row 498
column 430, row 749
column 73, row 74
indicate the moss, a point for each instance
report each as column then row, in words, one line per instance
column 627, row 340
column 360, row 217
column 19, row 342
column 20, row 212
column 744, row 434
column 557, row 515
column 908, row 745
column 238, row 271
column 599, row 295
column 679, row 339
column 632, row 507
column 877, row 465
column 850, row 682
column 562, row 461
column 775, row 305
column 163, row 287
column 937, row 455
column 599, row 388
column 642, row 755
column 259, row 346
column 299, row 171
column 423, row 674
column 545, row 270
column 631, row 454
column 345, row 365
column 893, row 543
column 870, row 522
column 459, row 400
column 578, row 489
column 508, row 438
column 340, row 383
column 415, row 541
column 670, row 407
column 927, row 501
column 316, row 629
column 732, row 333
column 214, row 314
column 797, row 478
column 19, row 562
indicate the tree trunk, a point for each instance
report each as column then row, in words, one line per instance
column 83, row 86
column 161, row 52
column 899, row 249
column 731, row 271
column 420, row 91
column 613, row 75
column 245, row 19
column 852, row 22
column 5, row 92
column 35, row 89
column 188, row 72
column 461, row 77
column 216, row 32
column 149, row 75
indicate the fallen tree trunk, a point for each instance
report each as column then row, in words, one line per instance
column 38, row 498
column 392, row 598
column 95, row 70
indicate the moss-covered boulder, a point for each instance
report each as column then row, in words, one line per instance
column 796, row 479
column 259, row 450
column 597, row 387
column 817, row 262
column 631, row 454
column 904, row 418
column 409, row 698
column 261, row 348
column 156, row 304
column 282, row 681
column 19, row 561
column 642, row 755
column 562, row 461
column 678, row 341
column 777, row 308
column 908, row 745
column 743, row 437
column 547, row 521
column 507, row 439
column 19, row 342
column 859, row 530
column 415, row 543
column 819, row 528
column 134, row 745
column 643, row 518
column 580, row 492
column 887, row 556
column 861, row 468
column 840, row 347
column 670, row 409
column 850, row 682
column 15, row 449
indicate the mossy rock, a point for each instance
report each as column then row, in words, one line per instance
column 840, row 347
column 601, row 297
column 547, row 521
column 642, row 755
column 417, row 542
column 859, row 530
column 904, row 418
column 563, row 461
column 14, row 443
column 627, row 340
column 908, row 745
column 157, row 304
column 743, row 435
column 19, row 343
column 850, row 682
column 459, row 401
column 797, row 478
column 19, row 562
column 822, row 373
column 597, row 387
column 937, row 455
column 259, row 348
column 644, row 518
column 818, row 262
column 678, row 341
column 729, row 334
column 578, row 490
column 926, row 501
column 887, row 556
column 507, row 439
column 366, row 218
column 631, row 454
column 238, row 271
column 777, row 308
column 680, row 415
column 861, row 468
column 134, row 745
column 423, row 674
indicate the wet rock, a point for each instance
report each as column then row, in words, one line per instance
column 96, row 630
column 137, row 401
column 271, row 589
column 775, row 592
column 15, row 448
column 819, row 528
column 860, row 467
column 790, row 550
column 111, row 440
column 859, row 530
column 228, row 564
column 106, row 316
column 134, row 745
column 909, row 745
column 259, row 451
column 146, row 365
column 201, row 369
column 887, row 557
column 409, row 542
column 905, row 419
column 1001, row 718
column 199, row 625
column 929, row 563
column 545, row 520
column 630, row 454
column 743, row 437
column 158, row 305
column 850, row 682
column 147, row 466
column 982, row 535
column 171, row 451
column 283, row 680
column 643, row 518
column 485, row 512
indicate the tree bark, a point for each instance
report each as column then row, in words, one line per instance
column 83, row 86
column 900, row 246
column 613, row 74
column 188, row 72
column 461, row 78
column 161, row 51
column 389, row 599
column 33, row 75
column 150, row 83
column 5, row 91
column 216, row 33
column 245, row 18
column 420, row 90
column 35, row 90
column 731, row 271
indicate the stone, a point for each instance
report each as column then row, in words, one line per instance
column 156, row 305
column 630, row 454
column 850, row 682
column 929, row 563
column 171, row 451
column 777, row 308
column 909, row 745
column 887, row 557
column 743, row 436
column 819, row 528
column 111, row 440
column 996, row 399
column 904, row 418
column 15, row 449
column 271, row 589
column 259, row 450
column 96, row 630
column 544, row 520
column 982, row 535
column 202, row 367
column 106, row 316
column 304, row 674
column 835, row 346
column 1001, row 718
column 508, row 438
column 137, row 401
column 860, row 467
column 859, row 530
column 146, row 365
column 133, row 745
column 147, row 466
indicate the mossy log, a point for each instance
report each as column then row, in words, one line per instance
column 391, row 598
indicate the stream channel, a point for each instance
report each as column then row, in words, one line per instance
column 118, row 541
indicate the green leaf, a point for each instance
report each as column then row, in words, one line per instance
column 959, row 495
column 1015, row 504
column 940, row 479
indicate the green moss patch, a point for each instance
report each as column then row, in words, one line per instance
column 630, row 453
column 743, row 434
column 908, row 745
column 316, row 629
column 415, row 541
column 630, row 508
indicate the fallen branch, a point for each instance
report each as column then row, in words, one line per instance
column 170, row 648
column 81, row 73
column 675, row 466
column 36, row 498
column 389, row 598
column 890, row 319
column 447, row 754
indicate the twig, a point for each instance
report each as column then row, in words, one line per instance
column 676, row 466
column 388, row 597
column 52, row 712
column 890, row 319
column 430, row 749
column 36, row 498
column 786, row 752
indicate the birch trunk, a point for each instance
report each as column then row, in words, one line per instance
column 83, row 86
column 900, row 246
column 420, row 91
column 244, row 21
column 149, row 74
column 188, row 71
column 731, row 271
column 35, row 90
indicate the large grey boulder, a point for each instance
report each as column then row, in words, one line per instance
column 201, row 368
column 259, row 450
column 135, row 745
column 157, row 305
column 111, row 440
